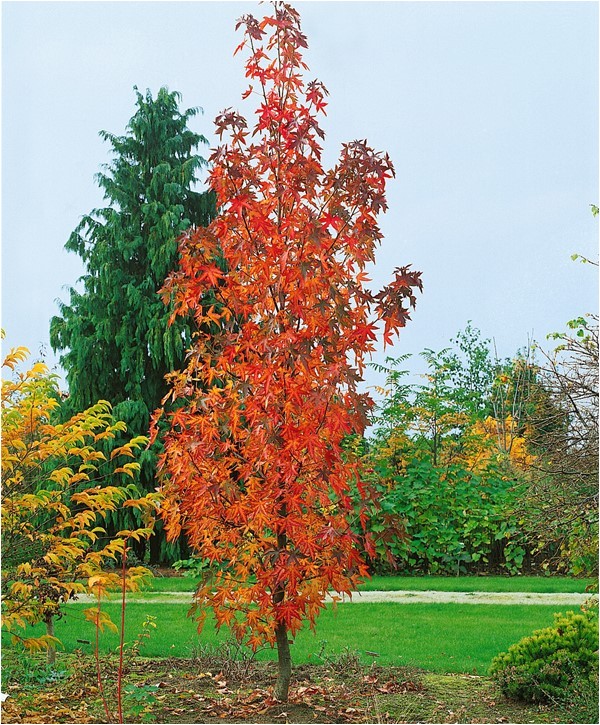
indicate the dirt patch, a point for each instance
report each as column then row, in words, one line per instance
column 177, row 690
column 163, row 571
column 184, row 691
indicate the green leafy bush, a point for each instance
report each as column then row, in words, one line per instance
column 552, row 662
column 447, row 461
column 452, row 520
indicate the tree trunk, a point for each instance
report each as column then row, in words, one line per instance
column 154, row 545
column 139, row 548
column 284, row 659
column 284, row 672
column 51, row 652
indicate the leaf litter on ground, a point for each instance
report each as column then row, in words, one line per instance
column 183, row 690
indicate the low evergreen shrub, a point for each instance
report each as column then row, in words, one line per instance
column 552, row 662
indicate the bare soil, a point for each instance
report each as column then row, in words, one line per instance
column 208, row 691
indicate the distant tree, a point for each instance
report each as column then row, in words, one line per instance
column 461, row 385
column 470, row 369
column 562, row 501
column 113, row 334
column 448, row 470
column 256, row 472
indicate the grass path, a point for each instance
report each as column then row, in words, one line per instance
column 571, row 599
column 474, row 597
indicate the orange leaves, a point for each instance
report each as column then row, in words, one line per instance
column 37, row 644
column 210, row 274
column 254, row 470
column 129, row 469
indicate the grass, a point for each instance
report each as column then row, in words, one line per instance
column 432, row 665
column 436, row 637
column 550, row 584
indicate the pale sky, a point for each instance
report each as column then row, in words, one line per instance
column 489, row 111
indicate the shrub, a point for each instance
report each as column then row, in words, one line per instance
column 450, row 519
column 552, row 662
column 582, row 703
column 60, row 484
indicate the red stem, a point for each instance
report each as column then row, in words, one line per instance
column 122, row 637
column 96, row 652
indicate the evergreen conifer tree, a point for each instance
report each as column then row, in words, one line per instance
column 114, row 336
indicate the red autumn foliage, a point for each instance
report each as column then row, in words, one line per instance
column 254, row 467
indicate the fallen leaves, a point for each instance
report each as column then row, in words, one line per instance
column 47, row 708
column 184, row 691
column 189, row 693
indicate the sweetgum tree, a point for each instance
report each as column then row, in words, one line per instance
column 254, row 466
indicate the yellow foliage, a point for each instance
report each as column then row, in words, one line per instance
column 504, row 435
column 46, row 470
column 35, row 644
column 100, row 619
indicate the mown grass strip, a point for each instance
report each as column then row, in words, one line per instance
column 436, row 637
column 549, row 584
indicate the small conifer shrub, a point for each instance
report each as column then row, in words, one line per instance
column 551, row 662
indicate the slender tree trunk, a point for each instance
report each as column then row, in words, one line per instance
column 284, row 659
column 139, row 549
column 51, row 652
column 284, row 672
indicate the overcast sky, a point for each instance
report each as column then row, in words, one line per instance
column 489, row 111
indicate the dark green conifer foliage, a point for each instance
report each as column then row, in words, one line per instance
column 114, row 338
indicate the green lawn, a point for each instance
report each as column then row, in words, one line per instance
column 437, row 637
column 551, row 584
